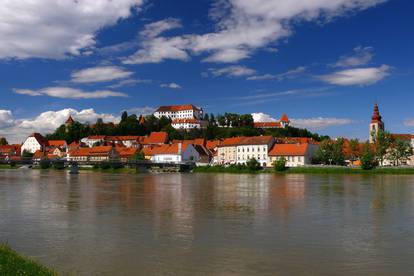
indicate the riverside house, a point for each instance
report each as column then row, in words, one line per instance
column 94, row 154
column 295, row 154
column 172, row 153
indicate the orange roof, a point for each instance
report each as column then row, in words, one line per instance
column 403, row 136
column 10, row 149
column 95, row 151
column 97, row 137
column 38, row 154
column 289, row 150
column 237, row 141
column 164, row 149
column 198, row 141
column 267, row 125
column 174, row 108
column 126, row 152
column 156, row 138
column 212, row 144
column 186, row 121
column 56, row 143
column 284, row 118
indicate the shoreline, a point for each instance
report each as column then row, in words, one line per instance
column 219, row 170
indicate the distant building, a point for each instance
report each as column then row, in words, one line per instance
column 188, row 123
column 173, row 112
column 172, row 153
column 10, row 152
column 94, row 154
column 282, row 123
column 295, row 154
column 69, row 122
column 34, row 143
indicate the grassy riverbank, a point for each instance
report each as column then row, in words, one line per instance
column 307, row 170
column 12, row 264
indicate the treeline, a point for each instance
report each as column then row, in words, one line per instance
column 220, row 126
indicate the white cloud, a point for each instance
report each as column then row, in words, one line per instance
column 232, row 71
column 54, row 29
column 358, row 76
column 129, row 82
column 409, row 122
column 70, row 93
column 172, row 85
column 361, row 56
column 18, row 129
column 242, row 27
column 146, row 110
column 100, row 74
column 6, row 118
column 320, row 122
column 262, row 117
column 280, row 77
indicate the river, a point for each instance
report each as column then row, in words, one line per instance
column 210, row 224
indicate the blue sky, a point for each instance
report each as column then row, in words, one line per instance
column 324, row 63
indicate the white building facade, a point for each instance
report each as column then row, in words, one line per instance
column 179, row 112
column 34, row 143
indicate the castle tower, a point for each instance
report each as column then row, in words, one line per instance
column 376, row 125
column 284, row 121
column 69, row 122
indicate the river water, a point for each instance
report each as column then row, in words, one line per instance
column 210, row 224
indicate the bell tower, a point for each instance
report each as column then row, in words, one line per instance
column 376, row 125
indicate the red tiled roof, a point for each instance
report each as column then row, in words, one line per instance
column 164, row 149
column 156, row 138
column 267, row 125
column 174, row 108
column 95, row 151
column 402, row 136
column 198, row 141
column 10, row 149
column 289, row 150
column 186, row 121
column 126, row 152
column 212, row 144
column 97, row 137
column 376, row 117
column 56, row 143
column 38, row 154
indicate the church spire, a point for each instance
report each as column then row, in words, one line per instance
column 376, row 117
column 376, row 124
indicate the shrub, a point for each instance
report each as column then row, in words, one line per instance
column 59, row 165
column 253, row 165
column 368, row 161
column 117, row 165
column 44, row 164
column 105, row 165
column 280, row 165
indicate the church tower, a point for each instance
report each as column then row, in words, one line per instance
column 69, row 122
column 376, row 125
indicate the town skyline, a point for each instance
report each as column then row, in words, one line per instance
column 325, row 66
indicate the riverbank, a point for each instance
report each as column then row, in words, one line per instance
column 308, row 170
column 11, row 263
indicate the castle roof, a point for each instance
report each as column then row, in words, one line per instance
column 376, row 117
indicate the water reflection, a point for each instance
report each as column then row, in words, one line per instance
column 210, row 224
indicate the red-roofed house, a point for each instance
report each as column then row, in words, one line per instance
column 172, row 153
column 187, row 111
column 10, row 152
column 94, row 154
column 295, row 154
column 92, row 140
column 126, row 154
column 34, row 143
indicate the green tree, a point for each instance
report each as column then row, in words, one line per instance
column 280, row 165
column 27, row 155
column 253, row 165
column 382, row 142
column 139, row 156
column 331, row 152
column 354, row 150
column 368, row 161
column 246, row 120
column 399, row 152
column 3, row 141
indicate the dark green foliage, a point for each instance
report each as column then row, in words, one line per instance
column 138, row 157
column 59, row 165
column 368, row 161
column 116, row 165
column 45, row 164
column 253, row 165
column 105, row 165
column 13, row 264
column 242, row 125
column 3, row 141
column 27, row 155
column 280, row 165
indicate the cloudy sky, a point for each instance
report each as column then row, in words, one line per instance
column 323, row 62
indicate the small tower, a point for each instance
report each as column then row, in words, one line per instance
column 141, row 120
column 284, row 121
column 69, row 122
column 376, row 125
